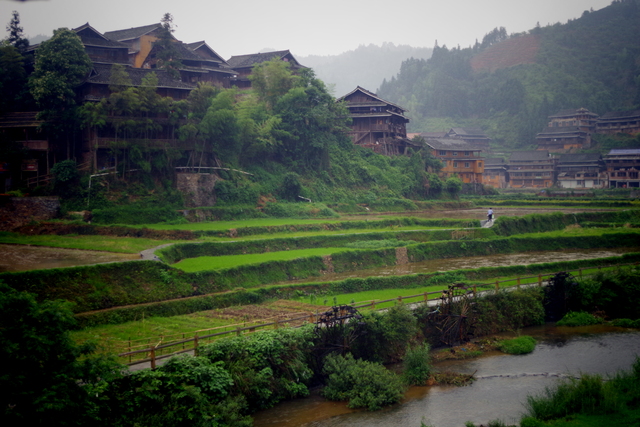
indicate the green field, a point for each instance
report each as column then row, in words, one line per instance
column 191, row 265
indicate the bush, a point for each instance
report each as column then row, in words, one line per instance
column 417, row 364
column 578, row 318
column 364, row 384
column 521, row 345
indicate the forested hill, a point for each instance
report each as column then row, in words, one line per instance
column 366, row 66
column 510, row 84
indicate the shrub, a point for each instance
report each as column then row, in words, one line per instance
column 578, row 318
column 417, row 364
column 521, row 345
column 364, row 384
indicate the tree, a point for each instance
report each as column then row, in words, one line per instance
column 13, row 79
column 16, row 38
column 61, row 65
column 453, row 184
column 47, row 379
column 167, row 54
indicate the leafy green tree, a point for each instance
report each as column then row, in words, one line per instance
column 47, row 379
column 61, row 64
column 453, row 185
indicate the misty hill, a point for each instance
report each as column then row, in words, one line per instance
column 509, row 85
column 366, row 66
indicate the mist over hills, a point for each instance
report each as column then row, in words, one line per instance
column 510, row 84
column 366, row 66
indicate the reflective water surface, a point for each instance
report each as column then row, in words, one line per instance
column 502, row 385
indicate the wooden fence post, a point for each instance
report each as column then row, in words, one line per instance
column 539, row 279
column 518, row 281
column 373, row 304
column 400, row 299
column 195, row 345
column 152, row 355
column 497, row 286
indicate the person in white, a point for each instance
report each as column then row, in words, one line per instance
column 490, row 214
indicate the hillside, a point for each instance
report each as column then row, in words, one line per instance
column 509, row 85
column 511, row 52
column 366, row 66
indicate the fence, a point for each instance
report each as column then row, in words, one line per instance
column 151, row 350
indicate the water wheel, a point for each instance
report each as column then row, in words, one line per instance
column 455, row 318
column 337, row 329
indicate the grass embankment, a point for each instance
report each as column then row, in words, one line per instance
column 126, row 245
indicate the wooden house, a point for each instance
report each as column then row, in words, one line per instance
column 375, row 123
column 581, row 171
column 619, row 122
column 495, row 172
column 473, row 136
column 458, row 158
column 243, row 65
column 567, row 130
column 623, row 166
column 531, row 169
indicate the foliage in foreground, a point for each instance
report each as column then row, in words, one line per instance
column 417, row 364
column 520, row 345
column 364, row 384
column 589, row 395
column 46, row 378
column 578, row 318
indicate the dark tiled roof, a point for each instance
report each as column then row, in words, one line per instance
column 101, row 74
column 529, row 156
column 131, row 33
column 493, row 161
column 245, row 61
column 91, row 37
column 450, row 144
column 624, row 152
column 201, row 47
column 469, row 132
column 433, row 134
column 573, row 112
column 579, row 158
column 563, row 131
column 376, row 98
column 620, row 114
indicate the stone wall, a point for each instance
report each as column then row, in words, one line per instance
column 198, row 189
column 18, row 211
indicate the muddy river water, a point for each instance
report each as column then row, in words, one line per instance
column 499, row 392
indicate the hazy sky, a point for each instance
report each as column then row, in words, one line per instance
column 318, row 27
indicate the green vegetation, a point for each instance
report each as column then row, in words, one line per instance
column 588, row 401
column 417, row 364
column 578, row 318
column 510, row 84
column 520, row 345
column 363, row 384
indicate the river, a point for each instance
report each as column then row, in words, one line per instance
column 500, row 391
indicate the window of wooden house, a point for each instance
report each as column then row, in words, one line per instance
column 466, row 153
column 479, row 164
column 466, row 164
column 455, row 164
column 442, row 153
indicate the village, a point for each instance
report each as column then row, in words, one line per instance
column 376, row 123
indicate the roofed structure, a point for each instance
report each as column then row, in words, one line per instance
column 376, row 123
column 458, row 158
column 474, row 136
column 531, row 169
column 581, row 171
column 243, row 64
column 619, row 122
